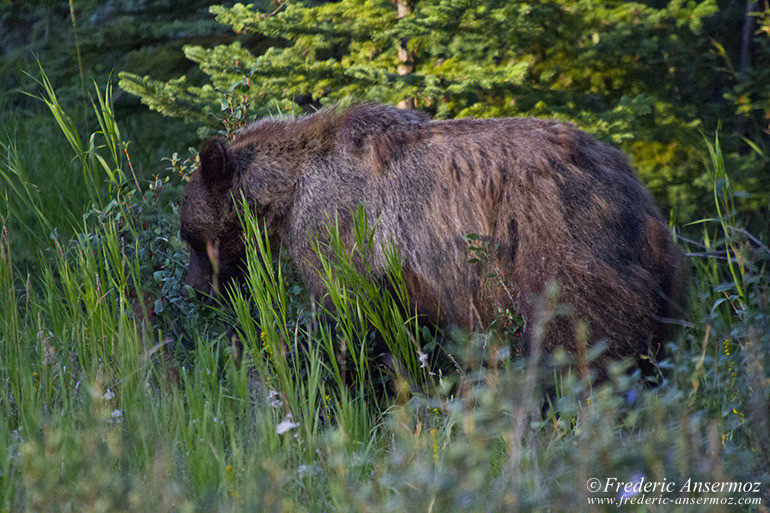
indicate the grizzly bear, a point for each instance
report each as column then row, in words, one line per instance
column 552, row 203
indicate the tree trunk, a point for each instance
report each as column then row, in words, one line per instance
column 405, row 8
column 744, row 64
column 747, row 32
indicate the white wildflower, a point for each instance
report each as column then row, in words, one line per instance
column 287, row 424
column 423, row 359
column 275, row 400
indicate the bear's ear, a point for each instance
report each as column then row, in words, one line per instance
column 216, row 168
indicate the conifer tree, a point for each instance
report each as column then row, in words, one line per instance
column 628, row 72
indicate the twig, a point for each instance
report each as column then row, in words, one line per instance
column 136, row 181
column 690, row 241
column 750, row 236
column 669, row 320
column 280, row 6
column 708, row 254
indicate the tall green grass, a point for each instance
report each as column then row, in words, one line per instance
column 52, row 172
column 117, row 392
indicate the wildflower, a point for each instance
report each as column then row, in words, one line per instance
column 434, row 437
column 229, row 475
column 327, row 398
column 423, row 359
column 267, row 346
column 275, row 400
column 287, row 424
column 109, row 394
column 117, row 416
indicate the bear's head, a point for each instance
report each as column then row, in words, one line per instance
column 209, row 221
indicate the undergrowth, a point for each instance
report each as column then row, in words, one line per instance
column 121, row 391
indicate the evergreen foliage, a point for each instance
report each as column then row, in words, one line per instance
column 640, row 75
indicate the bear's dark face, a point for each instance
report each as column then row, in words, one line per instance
column 209, row 222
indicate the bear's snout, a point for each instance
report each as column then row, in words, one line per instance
column 199, row 274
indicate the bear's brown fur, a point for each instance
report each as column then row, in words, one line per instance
column 557, row 205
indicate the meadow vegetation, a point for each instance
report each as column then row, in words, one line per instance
column 122, row 391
